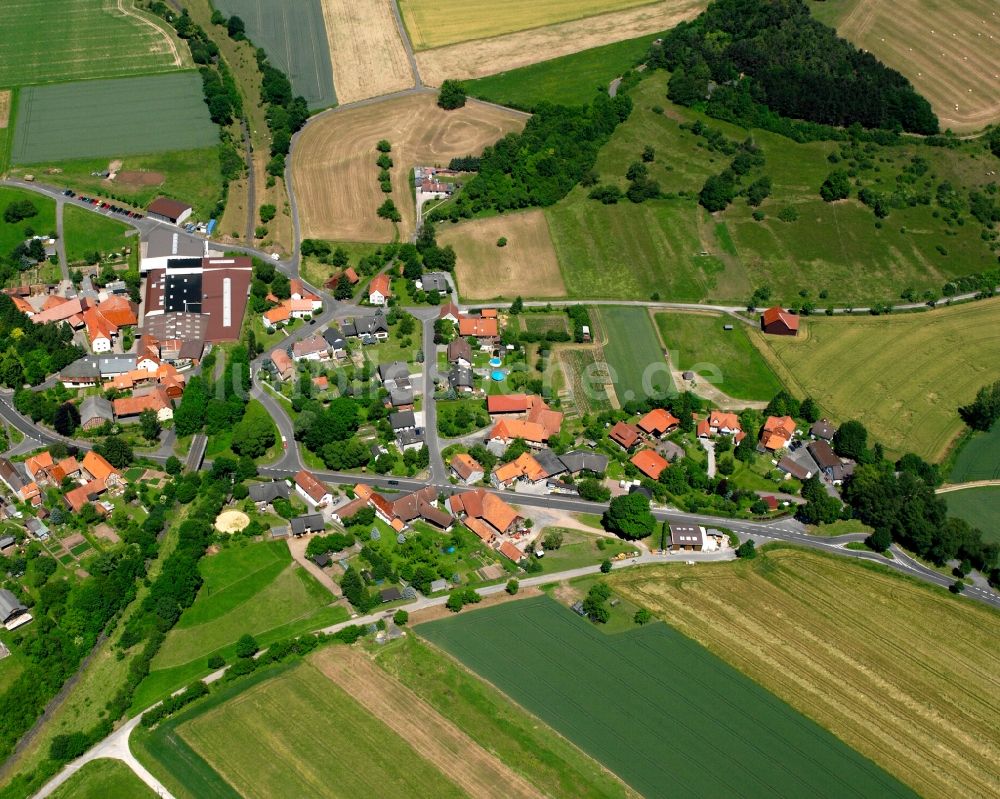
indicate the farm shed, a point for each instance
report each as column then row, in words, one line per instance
column 779, row 322
column 166, row 210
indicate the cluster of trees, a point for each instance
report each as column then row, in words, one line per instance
column 540, row 165
column 595, row 604
column 984, row 410
column 32, row 352
column 220, row 406
column 451, row 95
column 286, row 111
column 720, row 190
column 384, row 164
column 335, row 542
column 629, row 516
column 742, row 59
column 461, row 418
column 461, row 597
column 19, row 210
column 467, row 163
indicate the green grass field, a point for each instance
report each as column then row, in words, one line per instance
column 633, row 353
column 542, row 323
column 904, row 377
column 252, row 589
column 293, row 34
column 579, row 365
column 82, row 39
column 643, row 701
column 194, row 175
column 980, row 507
column 104, row 779
column 113, row 118
column 568, row 80
column 834, row 252
column 979, row 458
column 496, row 723
column 276, row 740
column 43, row 223
column 698, row 343
column 87, row 232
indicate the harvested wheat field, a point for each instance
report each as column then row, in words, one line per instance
column 365, row 48
column 950, row 51
column 435, row 23
column 526, row 266
column 479, row 773
column 4, row 108
column 902, row 672
column 482, row 57
column 333, row 162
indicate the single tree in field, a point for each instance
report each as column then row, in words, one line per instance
column 246, row 646
column 837, row 186
column 642, row 616
column 388, row 210
column 452, row 95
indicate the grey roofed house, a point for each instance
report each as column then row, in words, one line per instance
column 348, row 330
column 438, row 585
column 393, row 371
column 403, row 420
column 162, row 242
column 401, row 396
column 10, row 606
column 409, row 438
column 11, row 476
column 822, row 429
column 459, row 349
column 390, row 594
column 641, row 490
column 268, row 492
column 795, row 469
column 581, row 460
column 7, row 541
column 550, row 462
column 460, row 377
column 334, row 338
column 95, row 411
column 92, row 366
column 37, row 528
column 370, row 325
column 308, row 523
column 435, row 281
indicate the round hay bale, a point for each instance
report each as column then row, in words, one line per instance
column 231, row 521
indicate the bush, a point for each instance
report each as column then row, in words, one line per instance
column 451, row 96
column 246, row 647
column 401, row 617
column 747, row 550
column 216, row 662
column 513, row 586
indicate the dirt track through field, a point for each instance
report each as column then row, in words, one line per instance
column 333, row 162
column 950, row 51
column 367, row 54
column 482, row 57
column 481, row 774
column 4, row 108
column 129, row 11
column 525, row 267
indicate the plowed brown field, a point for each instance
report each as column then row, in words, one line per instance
column 333, row 162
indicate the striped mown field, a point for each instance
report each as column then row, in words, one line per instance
column 113, row 118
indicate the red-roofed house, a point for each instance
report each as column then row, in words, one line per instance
column 378, row 290
column 658, row 421
column 466, row 468
column 99, row 469
column 506, row 430
column 725, row 423
column 511, row 552
column 80, row 496
column 99, row 330
column 650, row 463
column 777, row 432
column 480, row 504
column 300, row 293
column 624, row 435
column 311, row 489
column 478, row 327
column 779, row 322
column 508, row 403
column 119, row 311
column 155, row 400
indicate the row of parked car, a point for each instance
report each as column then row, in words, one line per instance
column 104, row 206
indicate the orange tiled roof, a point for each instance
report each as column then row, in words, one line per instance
column 624, row 434
column 118, row 311
column 658, row 421
column 508, row 403
column 509, row 429
column 97, row 467
column 650, row 463
column 478, row 326
column 721, row 419
column 380, row 283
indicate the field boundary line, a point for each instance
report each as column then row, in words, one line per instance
column 950, row 488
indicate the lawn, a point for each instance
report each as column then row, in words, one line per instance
column 633, row 696
column 579, row 549
column 294, row 36
column 107, row 779
column 835, row 253
column 568, row 80
column 633, row 353
column 88, row 232
column 980, row 507
column 112, row 118
column 979, row 458
column 496, row 723
column 252, row 589
column 725, row 358
column 904, row 377
column 83, row 39
column 858, row 648
column 542, row 323
column 193, row 175
column 43, row 223
column 275, row 740
column 434, row 23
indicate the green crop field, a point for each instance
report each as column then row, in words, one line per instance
column 904, row 377
column 858, row 648
column 979, row 458
column 104, row 779
column 581, row 366
column 293, row 34
column 87, row 232
column 542, row 323
column 834, row 252
column 80, row 39
column 252, row 589
column 43, row 223
column 697, row 342
column 643, row 701
column 980, row 507
column 276, row 738
column 568, row 80
column 113, row 118
column 633, row 353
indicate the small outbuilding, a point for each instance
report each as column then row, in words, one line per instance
column 166, row 210
column 778, row 322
